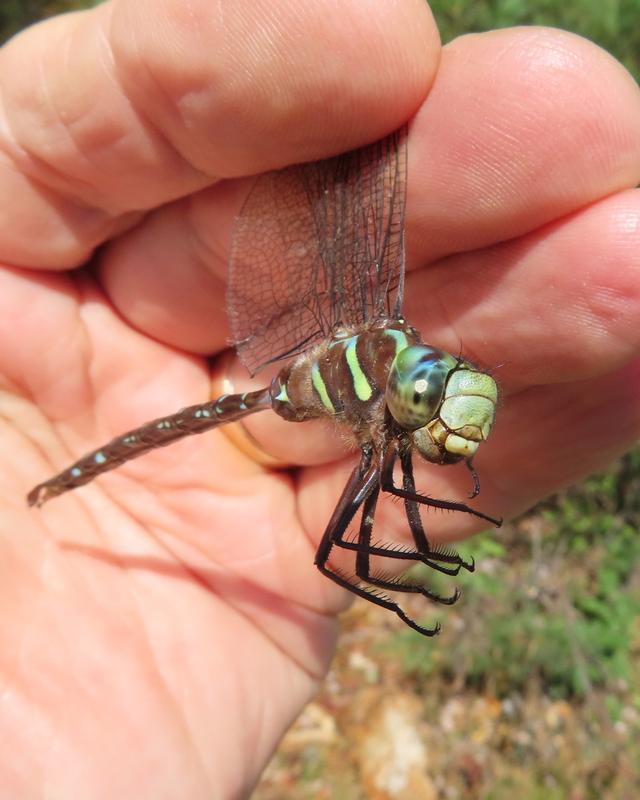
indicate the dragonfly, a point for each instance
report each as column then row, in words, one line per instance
column 316, row 279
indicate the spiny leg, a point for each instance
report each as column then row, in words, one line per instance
column 157, row 433
column 363, row 560
column 402, row 553
column 451, row 505
column 443, row 554
column 363, row 480
column 364, row 550
column 424, row 553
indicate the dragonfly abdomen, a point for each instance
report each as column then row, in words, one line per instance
column 157, row 433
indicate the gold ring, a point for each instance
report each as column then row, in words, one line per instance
column 236, row 432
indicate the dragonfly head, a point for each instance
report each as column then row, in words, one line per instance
column 447, row 404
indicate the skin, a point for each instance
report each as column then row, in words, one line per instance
column 160, row 629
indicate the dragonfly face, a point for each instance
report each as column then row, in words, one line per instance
column 447, row 404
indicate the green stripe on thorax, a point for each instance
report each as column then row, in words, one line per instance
column 361, row 383
column 400, row 337
column 319, row 385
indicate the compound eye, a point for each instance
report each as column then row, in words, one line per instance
column 416, row 383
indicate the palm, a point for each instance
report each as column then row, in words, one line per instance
column 175, row 600
column 168, row 574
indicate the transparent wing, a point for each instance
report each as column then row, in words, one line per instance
column 318, row 246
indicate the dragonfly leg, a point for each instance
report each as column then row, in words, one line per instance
column 364, row 550
column 388, row 485
column 423, row 553
column 363, row 482
column 468, row 462
column 432, row 557
column 446, row 555
column 402, row 553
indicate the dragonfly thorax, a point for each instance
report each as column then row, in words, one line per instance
column 446, row 403
column 344, row 377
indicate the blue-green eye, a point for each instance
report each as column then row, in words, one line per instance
column 416, row 384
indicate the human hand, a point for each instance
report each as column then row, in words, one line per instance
column 168, row 619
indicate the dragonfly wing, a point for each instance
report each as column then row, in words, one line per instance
column 316, row 247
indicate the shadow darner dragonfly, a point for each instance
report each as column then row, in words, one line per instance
column 316, row 277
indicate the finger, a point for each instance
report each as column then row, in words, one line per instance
column 551, row 123
column 555, row 436
column 521, row 127
column 122, row 108
column 168, row 277
column 560, row 304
